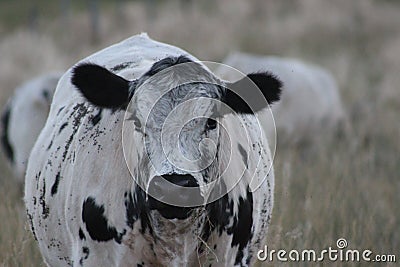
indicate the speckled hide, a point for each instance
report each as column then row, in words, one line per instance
column 85, row 208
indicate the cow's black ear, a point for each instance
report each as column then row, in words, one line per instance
column 243, row 97
column 100, row 86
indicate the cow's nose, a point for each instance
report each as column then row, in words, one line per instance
column 174, row 195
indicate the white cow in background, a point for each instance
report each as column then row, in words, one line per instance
column 24, row 117
column 310, row 102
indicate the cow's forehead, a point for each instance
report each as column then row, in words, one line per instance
column 183, row 103
column 176, row 87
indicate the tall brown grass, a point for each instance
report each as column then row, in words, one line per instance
column 347, row 186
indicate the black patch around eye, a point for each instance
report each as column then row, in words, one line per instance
column 211, row 124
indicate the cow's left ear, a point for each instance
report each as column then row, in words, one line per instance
column 100, row 86
column 243, row 97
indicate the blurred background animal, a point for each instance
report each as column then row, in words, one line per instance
column 310, row 103
column 24, row 117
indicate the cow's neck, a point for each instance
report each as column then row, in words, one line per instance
column 177, row 241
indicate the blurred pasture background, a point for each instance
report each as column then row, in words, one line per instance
column 347, row 186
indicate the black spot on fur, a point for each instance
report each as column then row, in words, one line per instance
column 97, row 224
column 42, row 199
column 121, row 66
column 100, row 86
column 248, row 259
column 243, row 90
column 136, row 209
column 59, row 111
column 67, row 145
column 85, row 255
column 243, row 223
column 96, row 118
column 63, row 127
column 5, row 121
column 54, row 187
column 244, row 155
column 219, row 213
column 50, row 145
column 131, row 212
column 81, row 234
column 30, row 219
column 166, row 63
column 79, row 111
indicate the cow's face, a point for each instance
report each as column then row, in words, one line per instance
column 178, row 135
column 174, row 112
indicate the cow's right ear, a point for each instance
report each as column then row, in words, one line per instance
column 100, row 86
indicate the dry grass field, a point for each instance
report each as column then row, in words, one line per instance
column 346, row 186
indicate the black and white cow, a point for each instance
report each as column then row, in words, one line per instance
column 109, row 155
column 24, row 117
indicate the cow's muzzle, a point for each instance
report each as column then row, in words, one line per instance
column 174, row 195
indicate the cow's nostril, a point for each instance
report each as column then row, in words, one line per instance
column 174, row 195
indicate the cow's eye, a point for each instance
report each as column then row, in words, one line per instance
column 211, row 124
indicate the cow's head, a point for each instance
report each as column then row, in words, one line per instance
column 175, row 110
